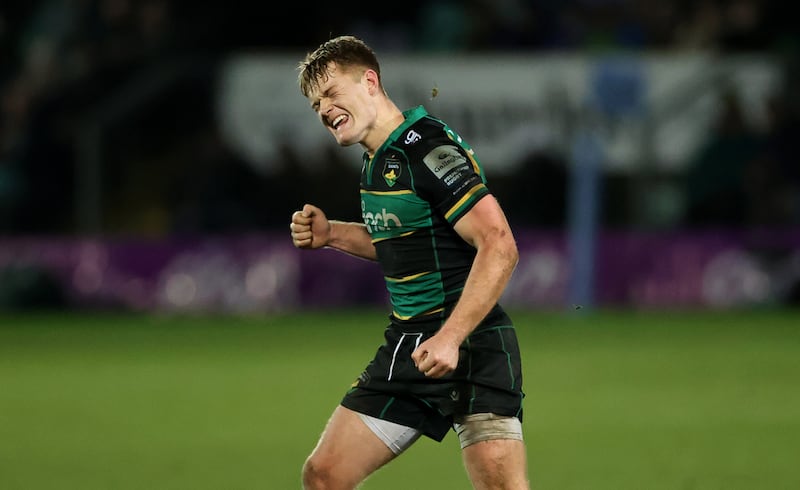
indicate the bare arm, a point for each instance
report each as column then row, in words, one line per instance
column 312, row 229
column 485, row 227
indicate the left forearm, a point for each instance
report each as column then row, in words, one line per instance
column 491, row 271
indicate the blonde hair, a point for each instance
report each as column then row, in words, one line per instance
column 343, row 51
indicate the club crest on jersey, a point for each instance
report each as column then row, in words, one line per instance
column 391, row 171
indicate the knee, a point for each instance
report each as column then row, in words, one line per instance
column 317, row 475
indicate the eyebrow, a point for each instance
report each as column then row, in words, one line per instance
column 323, row 93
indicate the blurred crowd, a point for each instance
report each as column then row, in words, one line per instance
column 743, row 176
column 166, row 169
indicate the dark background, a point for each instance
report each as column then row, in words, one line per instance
column 165, row 170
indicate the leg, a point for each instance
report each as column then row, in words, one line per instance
column 493, row 451
column 497, row 464
column 346, row 454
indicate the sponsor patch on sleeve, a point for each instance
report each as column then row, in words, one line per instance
column 447, row 164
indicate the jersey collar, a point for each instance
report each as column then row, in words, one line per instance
column 412, row 116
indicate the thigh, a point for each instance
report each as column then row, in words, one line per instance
column 348, row 450
column 497, row 464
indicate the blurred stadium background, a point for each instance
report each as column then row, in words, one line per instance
column 154, row 315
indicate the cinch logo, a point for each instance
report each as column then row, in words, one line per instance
column 380, row 221
column 412, row 137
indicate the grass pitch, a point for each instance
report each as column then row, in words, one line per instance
column 616, row 400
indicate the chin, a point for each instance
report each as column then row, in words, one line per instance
column 345, row 142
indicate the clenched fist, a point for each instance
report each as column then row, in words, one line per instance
column 310, row 228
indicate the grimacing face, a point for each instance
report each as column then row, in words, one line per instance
column 342, row 100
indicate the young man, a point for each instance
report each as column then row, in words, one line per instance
column 450, row 358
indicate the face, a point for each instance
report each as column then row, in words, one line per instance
column 344, row 104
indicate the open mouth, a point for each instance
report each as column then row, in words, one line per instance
column 339, row 121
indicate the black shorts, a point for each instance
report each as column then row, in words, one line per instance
column 488, row 379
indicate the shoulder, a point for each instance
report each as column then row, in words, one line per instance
column 425, row 136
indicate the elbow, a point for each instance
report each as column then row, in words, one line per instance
column 507, row 247
column 502, row 247
column 513, row 254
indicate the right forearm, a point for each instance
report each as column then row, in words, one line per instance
column 351, row 238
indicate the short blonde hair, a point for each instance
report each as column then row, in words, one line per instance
column 343, row 51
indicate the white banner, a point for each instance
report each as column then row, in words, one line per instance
column 654, row 110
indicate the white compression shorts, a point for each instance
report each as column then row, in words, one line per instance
column 470, row 429
column 397, row 437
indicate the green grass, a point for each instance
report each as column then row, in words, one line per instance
column 616, row 400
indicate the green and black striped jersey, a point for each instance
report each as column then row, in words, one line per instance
column 418, row 184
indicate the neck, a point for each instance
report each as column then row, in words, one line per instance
column 390, row 117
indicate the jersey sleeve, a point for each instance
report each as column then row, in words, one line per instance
column 450, row 180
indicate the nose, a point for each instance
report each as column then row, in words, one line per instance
column 324, row 107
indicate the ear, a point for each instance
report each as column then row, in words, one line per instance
column 373, row 81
